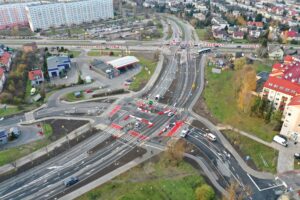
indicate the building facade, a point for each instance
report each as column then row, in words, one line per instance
column 13, row 15
column 282, row 89
column 44, row 16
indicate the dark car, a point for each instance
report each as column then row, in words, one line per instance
column 297, row 155
column 238, row 47
column 70, row 181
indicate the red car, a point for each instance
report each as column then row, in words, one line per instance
column 88, row 91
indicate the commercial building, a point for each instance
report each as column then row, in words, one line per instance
column 57, row 65
column 121, row 63
column 44, row 16
column 13, row 15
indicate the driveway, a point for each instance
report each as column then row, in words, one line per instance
column 28, row 134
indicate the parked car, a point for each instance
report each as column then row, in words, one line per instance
column 88, row 91
column 280, row 140
column 70, row 181
column 297, row 155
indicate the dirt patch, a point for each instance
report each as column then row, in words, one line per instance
column 102, row 145
column 131, row 155
column 169, row 95
column 201, row 109
column 61, row 127
column 58, row 150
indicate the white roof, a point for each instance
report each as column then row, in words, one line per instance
column 122, row 62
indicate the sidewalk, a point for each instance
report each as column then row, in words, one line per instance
column 224, row 141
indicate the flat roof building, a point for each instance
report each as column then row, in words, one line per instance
column 123, row 62
column 44, row 16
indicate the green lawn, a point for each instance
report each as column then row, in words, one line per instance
column 170, row 32
column 75, row 53
column 143, row 76
column 71, row 97
column 104, row 52
column 202, row 34
column 9, row 111
column 151, row 181
column 296, row 164
column 47, row 129
column 264, row 157
column 12, row 154
column 259, row 66
column 221, row 101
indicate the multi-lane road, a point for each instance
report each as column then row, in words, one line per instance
column 179, row 77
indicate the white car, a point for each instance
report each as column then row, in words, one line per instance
column 170, row 114
column 184, row 133
column 211, row 137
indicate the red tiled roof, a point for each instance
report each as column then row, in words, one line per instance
column 292, row 34
column 33, row 74
column 257, row 24
column 277, row 66
column 295, row 101
column 1, row 72
column 288, row 58
column 5, row 58
column 283, row 86
column 238, row 34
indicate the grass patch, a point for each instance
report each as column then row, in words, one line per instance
column 203, row 34
column 224, row 106
column 296, row 164
column 47, row 129
column 151, row 181
column 104, row 52
column 74, row 53
column 170, row 32
column 264, row 157
column 71, row 97
column 143, row 76
column 260, row 67
column 12, row 154
column 9, row 111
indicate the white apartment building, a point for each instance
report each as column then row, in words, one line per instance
column 44, row 16
column 12, row 15
column 291, row 122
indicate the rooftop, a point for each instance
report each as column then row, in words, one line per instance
column 124, row 61
column 35, row 73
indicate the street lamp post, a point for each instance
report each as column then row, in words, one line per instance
column 63, row 127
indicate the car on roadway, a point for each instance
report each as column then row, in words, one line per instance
column 71, row 181
column 211, row 137
column 297, row 155
column 238, row 46
column 184, row 133
column 165, row 129
column 170, row 114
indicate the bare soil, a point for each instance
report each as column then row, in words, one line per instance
column 201, row 109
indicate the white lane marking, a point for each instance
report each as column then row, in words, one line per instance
column 254, row 182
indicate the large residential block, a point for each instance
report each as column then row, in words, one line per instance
column 282, row 89
column 44, row 16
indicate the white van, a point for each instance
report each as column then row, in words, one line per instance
column 280, row 140
column 211, row 137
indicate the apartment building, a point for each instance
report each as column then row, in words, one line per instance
column 13, row 15
column 283, row 90
column 44, row 16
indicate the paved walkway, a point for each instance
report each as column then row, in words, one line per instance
column 285, row 161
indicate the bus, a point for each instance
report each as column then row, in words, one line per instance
column 204, row 50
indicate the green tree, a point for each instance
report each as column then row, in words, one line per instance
column 239, row 63
column 205, row 192
column 258, row 17
column 80, row 80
